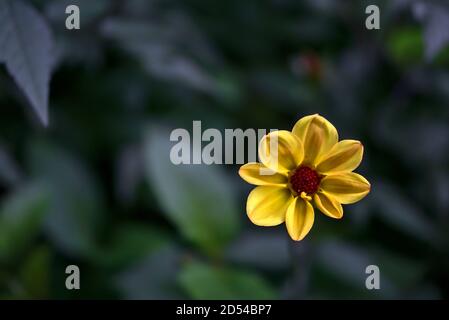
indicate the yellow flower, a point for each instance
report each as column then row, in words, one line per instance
column 309, row 168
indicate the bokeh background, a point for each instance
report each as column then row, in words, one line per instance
column 96, row 189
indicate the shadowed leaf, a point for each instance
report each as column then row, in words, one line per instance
column 26, row 48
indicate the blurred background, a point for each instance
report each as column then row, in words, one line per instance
column 95, row 188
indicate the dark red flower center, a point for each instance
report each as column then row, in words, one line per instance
column 305, row 179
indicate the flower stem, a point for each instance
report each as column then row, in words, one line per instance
column 300, row 255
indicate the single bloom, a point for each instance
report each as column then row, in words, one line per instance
column 309, row 169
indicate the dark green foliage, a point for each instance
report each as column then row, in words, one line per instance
column 95, row 188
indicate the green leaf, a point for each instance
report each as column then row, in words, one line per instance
column 35, row 274
column 21, row 217
column 26, row 46
column 198, row 199
column 76, row 201
column 153, row 276
column 10, row 174
column 435, row 20
column 130, row 243
column 267, row 251
column 202, row 281
column 162, row 46
column 402, row 213
column 406, row 45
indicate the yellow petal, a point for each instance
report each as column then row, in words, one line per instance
column 317, row 135
column 266, row 205
column 258, row 174
column 281, row 151
column 345, row 156
column 328, row 205
column 346, row 188
column 299, row 218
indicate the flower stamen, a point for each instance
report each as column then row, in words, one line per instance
column 304, row 181
column 304, row 196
